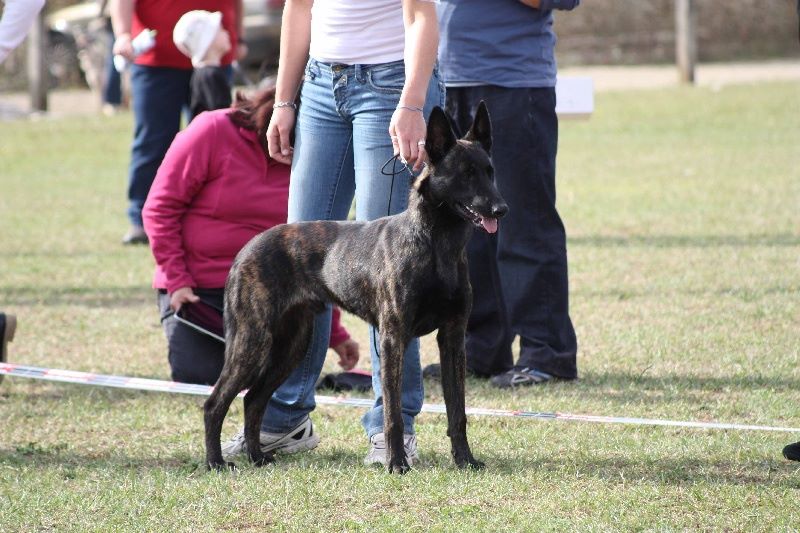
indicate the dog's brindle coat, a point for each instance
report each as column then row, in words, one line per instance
column 407, row 274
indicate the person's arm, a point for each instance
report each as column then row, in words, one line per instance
column 121, row 20
column 546, row 5
column 341, row 342
column 182, row 174
column 407, row 127
column 16, row 21
column 295, row 42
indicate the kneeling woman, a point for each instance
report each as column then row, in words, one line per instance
column 215, row 189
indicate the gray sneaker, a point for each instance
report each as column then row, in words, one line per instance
column 299, row 439
column 377, row 449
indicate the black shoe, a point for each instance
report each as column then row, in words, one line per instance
column 520, row 376
column 434, row 371
column 135, row 235
column 792, row 451
column 8, row 325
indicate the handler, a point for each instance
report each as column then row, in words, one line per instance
column 503, row 52
column 368, row 86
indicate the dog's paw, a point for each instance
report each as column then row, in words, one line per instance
column 222, row 467
column 263, row 460
column 470, row 463
column 398, row 467
column 474, row 464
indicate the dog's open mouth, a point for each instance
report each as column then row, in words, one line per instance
column 489, row 224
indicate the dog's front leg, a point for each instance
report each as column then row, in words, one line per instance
column 393, row 347
column 453, row 359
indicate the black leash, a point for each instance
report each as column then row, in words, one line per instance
column 394, row 172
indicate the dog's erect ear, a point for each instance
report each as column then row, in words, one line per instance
column 440, row 137
column 481, row 130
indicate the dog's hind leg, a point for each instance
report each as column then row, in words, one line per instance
column 255, row 402
column 216, row 407
column 243, row 365
column 453, row 358
column 290, row 344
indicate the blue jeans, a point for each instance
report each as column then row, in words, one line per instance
column 341, row 143
column 112, row 81
column 159, row 95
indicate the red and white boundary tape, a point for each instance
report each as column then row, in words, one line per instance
column 157, row 385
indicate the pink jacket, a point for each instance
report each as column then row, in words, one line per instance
column 214, row 191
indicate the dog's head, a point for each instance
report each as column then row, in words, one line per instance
column 461, row 175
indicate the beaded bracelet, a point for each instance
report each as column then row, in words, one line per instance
column 276, row 105
column 410, row 108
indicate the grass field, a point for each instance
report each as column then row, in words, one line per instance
column 682, row 208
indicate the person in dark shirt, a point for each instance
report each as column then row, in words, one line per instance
column 503, row 53
column 199, row 35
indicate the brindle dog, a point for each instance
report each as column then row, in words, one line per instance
column 407, row 274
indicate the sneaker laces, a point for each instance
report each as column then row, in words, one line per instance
column 409, row 442
column 237, row 440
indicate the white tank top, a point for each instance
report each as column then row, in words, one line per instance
column 353, row 32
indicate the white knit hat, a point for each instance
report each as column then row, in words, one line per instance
column 194, row 32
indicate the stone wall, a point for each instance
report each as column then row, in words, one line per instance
column 642, row 31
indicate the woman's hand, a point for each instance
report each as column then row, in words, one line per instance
column 182, row 296
column 407, row 131
column 278, row 132
column 348, row 354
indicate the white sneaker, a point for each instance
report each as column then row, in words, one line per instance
column 299, row 439
column 377, row 450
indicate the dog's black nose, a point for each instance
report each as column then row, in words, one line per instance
column 499, row 210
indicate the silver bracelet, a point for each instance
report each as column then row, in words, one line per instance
column 410, row 108
column 276, row 105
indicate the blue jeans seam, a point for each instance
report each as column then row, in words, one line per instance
column 338, row 179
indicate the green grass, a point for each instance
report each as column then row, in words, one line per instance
column 681, row 207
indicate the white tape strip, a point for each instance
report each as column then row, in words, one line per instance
column 123, row 382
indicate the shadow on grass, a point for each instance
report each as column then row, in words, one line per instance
column 37, row 393
column 107, row 297
column 684, row 241
column 671, row 471
column 35, row 455
column 42, row 456
column 658, row 470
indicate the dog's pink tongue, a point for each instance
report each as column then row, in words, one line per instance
column 489, row 224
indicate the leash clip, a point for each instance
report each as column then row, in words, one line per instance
column 394, row 172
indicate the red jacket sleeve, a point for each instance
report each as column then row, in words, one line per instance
column 182, row 174
column 338, row 333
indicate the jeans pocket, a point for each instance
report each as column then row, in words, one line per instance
column 311, row 71
column 388, row 79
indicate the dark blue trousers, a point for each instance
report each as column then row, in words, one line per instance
column 159, row 96
column 112, row 81
column 519, row 274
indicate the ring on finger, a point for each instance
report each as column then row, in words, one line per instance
column 421, row 142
